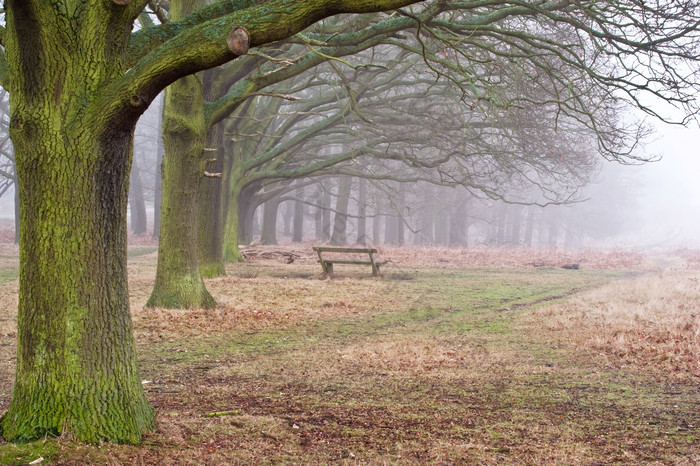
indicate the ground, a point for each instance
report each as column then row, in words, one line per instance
column 488, row 356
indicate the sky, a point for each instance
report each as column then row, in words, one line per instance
column 670, row 188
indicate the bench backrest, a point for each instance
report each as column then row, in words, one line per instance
column 345, row 250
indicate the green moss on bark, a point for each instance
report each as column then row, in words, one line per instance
column 178, row 281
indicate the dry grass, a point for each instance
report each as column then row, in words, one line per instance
column 437, row 362
column 500, row 257
column 651, row 323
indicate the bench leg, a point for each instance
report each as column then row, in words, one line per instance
column 329, row 268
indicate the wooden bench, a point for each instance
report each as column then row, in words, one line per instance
column 327, row 264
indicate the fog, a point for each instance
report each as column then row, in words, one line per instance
column 670, row 188
column 656, row 204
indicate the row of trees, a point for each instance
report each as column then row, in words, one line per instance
column 351, row 210
column 489, row 96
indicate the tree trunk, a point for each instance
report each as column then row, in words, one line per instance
column 340, row 222
column 16, row 210
column 362, row 212
column 210, row 224
column 516, row 214
column 157, row 196
column 529, row 226
column 318, row 214
column 400, row 231
column 326, row 213
column 76, row 370
column 269, row 226
column 458, row 225
column 137, row 202
column 159, row 177
column 377, row 221
column 247, row 207
column 233, row 216
column 287, row 216
column 391, row 231
column 298, row 224
column 178, row 281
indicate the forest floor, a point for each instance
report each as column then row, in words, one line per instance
column 479, row 356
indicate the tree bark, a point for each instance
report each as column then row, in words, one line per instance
column 326, row 213
column 157, row 196
column 233, row 216
column 516, row 215
column 362, row 212
column 377, row 220
column 340, row 222
column 16, row 210
column 137, row 202
column 269, row 226
column 298, row 223
column 210, row 223
column 178, row 281
column 76, row 366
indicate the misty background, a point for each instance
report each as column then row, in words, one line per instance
column 649, row 205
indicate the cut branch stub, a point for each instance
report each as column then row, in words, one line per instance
column 239, row 41
column 121, row 2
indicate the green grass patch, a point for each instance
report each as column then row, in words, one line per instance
column 140, row 251
column 9, row 275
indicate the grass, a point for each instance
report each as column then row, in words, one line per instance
column 437, row 362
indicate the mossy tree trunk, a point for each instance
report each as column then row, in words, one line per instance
column 76, row 364
column 231, row 251
column 210, row 209
column 178, row 281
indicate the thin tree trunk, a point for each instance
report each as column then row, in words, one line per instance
column 340, row 223
column 159, row 178
column 516, row 214
column 269, row 226
column 318, row 214
column 362, row 212
column 326, row 214
column 458, row 225
column 298, row 224
column 529, row 226
column 137, row 202
column 377, row 222
column 287, row 217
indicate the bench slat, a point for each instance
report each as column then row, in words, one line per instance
column 346, row 261
column 345, row 250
